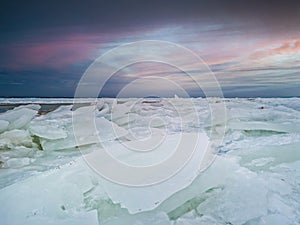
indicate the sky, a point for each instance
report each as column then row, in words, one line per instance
column 252, row 48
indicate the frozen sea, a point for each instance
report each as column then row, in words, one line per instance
column 245, row 170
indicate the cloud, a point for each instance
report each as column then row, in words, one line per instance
column 288, row 49
column 57, row 54
column 239, row 55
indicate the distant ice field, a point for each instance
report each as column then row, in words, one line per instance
column 238, row 161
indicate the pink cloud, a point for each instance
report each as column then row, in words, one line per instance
column 286, row 47
column 54, row 54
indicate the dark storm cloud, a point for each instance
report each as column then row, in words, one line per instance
column 24, row 15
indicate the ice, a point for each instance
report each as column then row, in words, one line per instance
column 141, row 219
column 122, row 121
column 91, row 130
column 52, row 197
column 103, row 109
column 18, row 117
column 21, row 122
column 48, row 129
column 17, row 162
column 61, row 133
column 59, row 144
column 20, row 149
column 76, row 180
column 20, row 152
column 35, row 107
column 119, row 111
column 62, row 113
column 206, row 186
column 109, row 131
column 3, row 125
column 275, row 219
column 266, row 157
column 265, row 126
column 12, row 138
column 203, row 220
column 129, row 197
column 242, row 194
column 251, row 178
column 80, row 218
